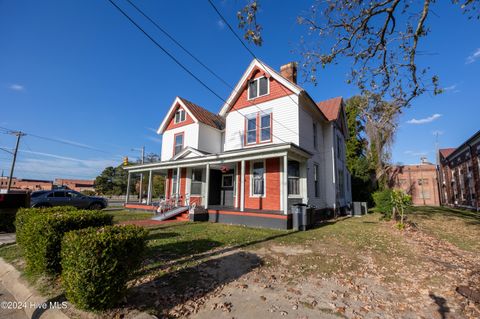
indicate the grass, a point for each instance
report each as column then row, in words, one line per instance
column 124, row 215
column 459, row 227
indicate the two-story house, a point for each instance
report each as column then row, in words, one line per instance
column 270, row 146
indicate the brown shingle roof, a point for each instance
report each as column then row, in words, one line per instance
column 331, row 108
column 204, row 116
column 446, row 151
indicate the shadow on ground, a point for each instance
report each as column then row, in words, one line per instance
column 470, row 217
column 161, row 295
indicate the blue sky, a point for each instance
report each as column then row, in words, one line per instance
column 79, row 72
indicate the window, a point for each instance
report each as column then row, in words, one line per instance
column 251, row 130
column 258, row 182
column 174, row 182
column 196, row 184
column 57, row 194
column 179, row 116
column 315, row 141
column 338, row 147
column 293, row 178
column 316, row 179
column 72, row 194
column 258, row 87
column 265, row 127
column 178, row 143
column 423, row 181
column 227, row 180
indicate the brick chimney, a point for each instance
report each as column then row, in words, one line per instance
column 289, row 71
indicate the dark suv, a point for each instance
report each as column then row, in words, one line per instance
column 62, row 197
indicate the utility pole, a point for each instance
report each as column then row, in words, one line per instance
column 142, row 150
column 19, row 135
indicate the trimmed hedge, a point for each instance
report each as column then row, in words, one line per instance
column 98, row 262
column 40, row 232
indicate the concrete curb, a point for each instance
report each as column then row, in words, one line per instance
column 36, row 306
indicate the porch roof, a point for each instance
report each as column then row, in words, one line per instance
column 250, row 153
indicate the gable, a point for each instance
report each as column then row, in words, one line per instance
column 279, row 87
column 171, row 121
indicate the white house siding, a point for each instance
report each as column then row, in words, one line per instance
column 284, row 125
column 318, row 157
column 210, row 139
column 190, row 139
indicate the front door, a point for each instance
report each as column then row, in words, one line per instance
column 227, row 190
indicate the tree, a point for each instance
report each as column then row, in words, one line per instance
column 113, row 181
column 379, row 38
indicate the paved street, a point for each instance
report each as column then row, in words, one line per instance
column 5, row 296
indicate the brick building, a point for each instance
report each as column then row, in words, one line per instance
column 419, row 181
column 459, row 174
column 76, row 184
column 26, row 184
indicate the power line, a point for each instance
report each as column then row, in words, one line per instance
column 178, row 44
column 177, row 61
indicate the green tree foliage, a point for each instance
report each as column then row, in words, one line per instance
column 113, row 181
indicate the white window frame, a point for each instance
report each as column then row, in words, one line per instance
column 252, row 163
column 174, row 183
column 299, row 179
column 315, row 135
column 258, row 88
column 263, row 114
column 248, row 118
column 316, row 180
column 226, row 175
column 175, row 143
column 181, row 118
column 196, row 182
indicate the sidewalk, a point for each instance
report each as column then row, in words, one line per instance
column 7, row 311
column 7, row 238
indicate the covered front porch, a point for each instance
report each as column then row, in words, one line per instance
column 254, row 187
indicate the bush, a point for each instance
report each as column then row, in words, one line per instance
column 40, row 234
column 98, row 262
column 383, row 203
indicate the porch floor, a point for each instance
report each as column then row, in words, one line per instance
column 246, row 210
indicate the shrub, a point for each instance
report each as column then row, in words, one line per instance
column 98, row 262
column 383, row 203
column 41, row 230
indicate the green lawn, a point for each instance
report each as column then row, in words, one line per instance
column 124, row 215
column 457, row 226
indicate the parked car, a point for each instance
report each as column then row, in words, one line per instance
column 65, row 197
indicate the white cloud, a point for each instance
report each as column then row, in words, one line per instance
column 425, row 120
column 221, row 24
column 16, row 87
column 473, row 57
column 154, row 139
column 452, row 88
column 437, row 132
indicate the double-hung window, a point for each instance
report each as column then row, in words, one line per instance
column 265, row 127
column 196, row 184
column 251, row 129
column 258, row 179
column 315, row 141
column 180, row 116
column 174, row 182
column 258, row 87
column 293, row 178
column 178, row 143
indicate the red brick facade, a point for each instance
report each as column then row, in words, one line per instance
column 419, row 181
column 26, row 184
column 459, row 174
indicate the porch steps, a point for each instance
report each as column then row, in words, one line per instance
column 178, row 213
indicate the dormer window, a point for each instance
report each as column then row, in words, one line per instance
column 179, row 116
column 258, row 87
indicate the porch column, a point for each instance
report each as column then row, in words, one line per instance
column 285, row 185
column 207, row 184
column 304, row 185
column 177, row 195
column 127, row 196
column 140, row 190
column 149, row 190
column 242, row 186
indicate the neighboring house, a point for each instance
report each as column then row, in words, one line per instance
column 270, row 146
column 76, row 184
column 419, row 181
column 26, row 184
column 459, row 174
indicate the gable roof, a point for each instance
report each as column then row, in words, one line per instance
column 204, row 116
column 198, row 113
column 445, row 152
column 331, row 108
column 243, row 82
